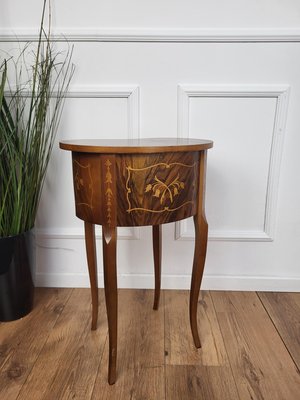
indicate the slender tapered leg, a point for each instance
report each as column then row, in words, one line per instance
column 156, row 236
column 90, row 244
column 201, row 230
column 109, row 240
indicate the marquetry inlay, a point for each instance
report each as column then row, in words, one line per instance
column 158, row 187
column 108, row 191
column 83, row 186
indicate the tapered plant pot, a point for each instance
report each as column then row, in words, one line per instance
column 16, row 281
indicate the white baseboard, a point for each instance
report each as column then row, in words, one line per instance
column 146, row 281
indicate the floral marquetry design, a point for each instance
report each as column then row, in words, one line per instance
column 131, row 190
column 83, row 184
column 163, row 186
column 163, row 191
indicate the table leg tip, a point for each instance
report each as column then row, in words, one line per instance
column 112, row 380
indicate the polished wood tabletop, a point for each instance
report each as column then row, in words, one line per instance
column 138, row 182
column 138, row 146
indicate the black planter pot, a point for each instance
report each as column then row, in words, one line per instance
column 16, row 283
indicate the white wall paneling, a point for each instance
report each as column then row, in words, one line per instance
column 170, row 20
column 131, row 93
column 226, row 71
column 184, row 229
column 63, row 243
column 85, row 93
column 195, row 35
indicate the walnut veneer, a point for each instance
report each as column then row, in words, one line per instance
column 135, row 183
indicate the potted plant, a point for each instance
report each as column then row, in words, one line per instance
column 30, row 112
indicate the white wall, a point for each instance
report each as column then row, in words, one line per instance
column 227, row 71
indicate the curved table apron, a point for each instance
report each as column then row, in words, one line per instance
column 137, row 183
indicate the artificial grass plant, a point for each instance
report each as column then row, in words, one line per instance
column 30, row 113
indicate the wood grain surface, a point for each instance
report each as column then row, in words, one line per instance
column 284, row 310
column 140, row 350
column 87, row 181
column 135, row 146
column 180, row 349
column 67, row 364
column 249, row 348
column 135, row 189
column 261, row 365
column 157, row 188
column 22, row 341
column 195, row 382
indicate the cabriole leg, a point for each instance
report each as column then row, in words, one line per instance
column 156, row 236
column 201, row 231
column 90, row 244
column 111, row 296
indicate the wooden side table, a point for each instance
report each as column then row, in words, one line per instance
column 136, row 183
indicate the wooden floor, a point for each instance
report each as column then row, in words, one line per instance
column 250, row 348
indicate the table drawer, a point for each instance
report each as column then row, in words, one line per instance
column 156, row 188
column 135, row 189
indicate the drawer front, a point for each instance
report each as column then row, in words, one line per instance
column 156, row 188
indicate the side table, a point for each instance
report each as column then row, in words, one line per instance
column 138, row 182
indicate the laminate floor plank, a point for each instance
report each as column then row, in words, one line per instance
column 284, row 310
column 180, row 348
column 21, row 341
column 68, row 363
column 195, row 382
column 140, row 361
column 248, row 347
column 11, row 333
column 261, row 365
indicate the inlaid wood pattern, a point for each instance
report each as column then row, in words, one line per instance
column 108, row 200
column 135, row 190
column 53, row 354
column 87, row 187
column 156, row 188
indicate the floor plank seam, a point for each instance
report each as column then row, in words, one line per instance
column 278, row 332
column 228, row 358
column 165, row 368
column 46, row 340
column 100, row 362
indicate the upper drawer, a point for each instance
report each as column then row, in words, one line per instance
column 156, row 188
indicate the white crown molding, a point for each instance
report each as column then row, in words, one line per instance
column 196, row 35
column 281, row 93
